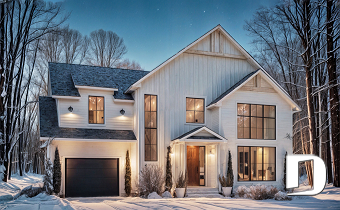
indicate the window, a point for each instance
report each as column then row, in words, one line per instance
column 195, row 110
column 256, row 163
column 256, row 121
column 150, row 138
column 96, row 110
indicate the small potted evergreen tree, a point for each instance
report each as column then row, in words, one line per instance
column 181, row 185
column 228, row 182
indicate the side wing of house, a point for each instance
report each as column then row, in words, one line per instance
column 256, row 118
column 91, row 121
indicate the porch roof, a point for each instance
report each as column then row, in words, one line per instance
column 195, row 134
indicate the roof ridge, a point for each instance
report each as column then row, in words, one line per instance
column 97, row 66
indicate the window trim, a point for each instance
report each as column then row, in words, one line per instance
column 88, row 111
column 151, row 128
column 249, row 158
column 275, row 131
column 204, row 114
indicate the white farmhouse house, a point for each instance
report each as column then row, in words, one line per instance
column 210, row 97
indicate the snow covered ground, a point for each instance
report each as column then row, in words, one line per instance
column 14, row 186
column 328, row 199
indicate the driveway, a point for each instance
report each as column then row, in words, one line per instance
column 199, row 203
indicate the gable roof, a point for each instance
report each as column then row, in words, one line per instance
column 65, row 77
column 49, row 127
column 251, row 75
column 218, row 27
column 194, row 131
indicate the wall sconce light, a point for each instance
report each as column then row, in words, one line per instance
column 122, row 112
column 70, row 109
column 212, row 151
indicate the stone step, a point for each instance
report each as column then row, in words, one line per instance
column 206, row 192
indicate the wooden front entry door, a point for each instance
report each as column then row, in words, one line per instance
column 193, row 165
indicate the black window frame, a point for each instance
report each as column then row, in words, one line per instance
column 88, row 121
column 249, row 163
column 194, row 110
column 263, row 118
column 147, row 128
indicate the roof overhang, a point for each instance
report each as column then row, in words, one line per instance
column 88, row 140
column 96, row 88
column 190, row 135
column 270, row 80
column 123, row 100
column 218, row 27
column 66, row 97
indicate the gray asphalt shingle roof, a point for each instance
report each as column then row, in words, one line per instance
column 196, row 137
column 49, row 126
column 64, row 77
column 233, row 87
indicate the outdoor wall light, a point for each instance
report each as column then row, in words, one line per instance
column 212, row 151
column 122, row 112
column 70, row 109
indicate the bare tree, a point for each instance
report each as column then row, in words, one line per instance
column 127, row 64
column 106, row 48
column 72, row 42
column 23, row 23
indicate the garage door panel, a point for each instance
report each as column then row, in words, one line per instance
column 91, row 163
column 91, row 172
column 92, row 177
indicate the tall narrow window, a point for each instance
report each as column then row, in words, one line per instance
column 256, row 163
column 195, row 110
column 256, row 121
column 150, row 138
column 96, row 110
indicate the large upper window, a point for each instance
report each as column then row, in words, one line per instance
column 96, row 110
column 256, row 121
column 195, row 110
column 256, row 163
column 150, row 138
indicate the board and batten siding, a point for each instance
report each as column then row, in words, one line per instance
column 228, row 128
column 188, row 75
column 79, row 117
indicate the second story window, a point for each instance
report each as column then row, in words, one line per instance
column 96, row 110
column 256, row 121
column 195, row 110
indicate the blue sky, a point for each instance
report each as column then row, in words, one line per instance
column 155, row 30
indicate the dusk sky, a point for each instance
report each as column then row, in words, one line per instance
column 153, row 30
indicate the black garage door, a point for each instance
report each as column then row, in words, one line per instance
column 87, row 177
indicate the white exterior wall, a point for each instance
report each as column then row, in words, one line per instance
column 283, row 127
column 187, row 76
column 81, row 149
column 79, row 117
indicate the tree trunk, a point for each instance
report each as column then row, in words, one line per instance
column 333, row 95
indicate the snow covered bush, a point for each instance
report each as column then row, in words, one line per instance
column 166, row 194
column 154, row 195
column 56, row 172
column 282, row 196
column 262, row 192
column 48, row 177
column 242, row 191
column 257, row 192
column 151, row 179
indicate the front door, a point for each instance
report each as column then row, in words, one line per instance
column 193, row 165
